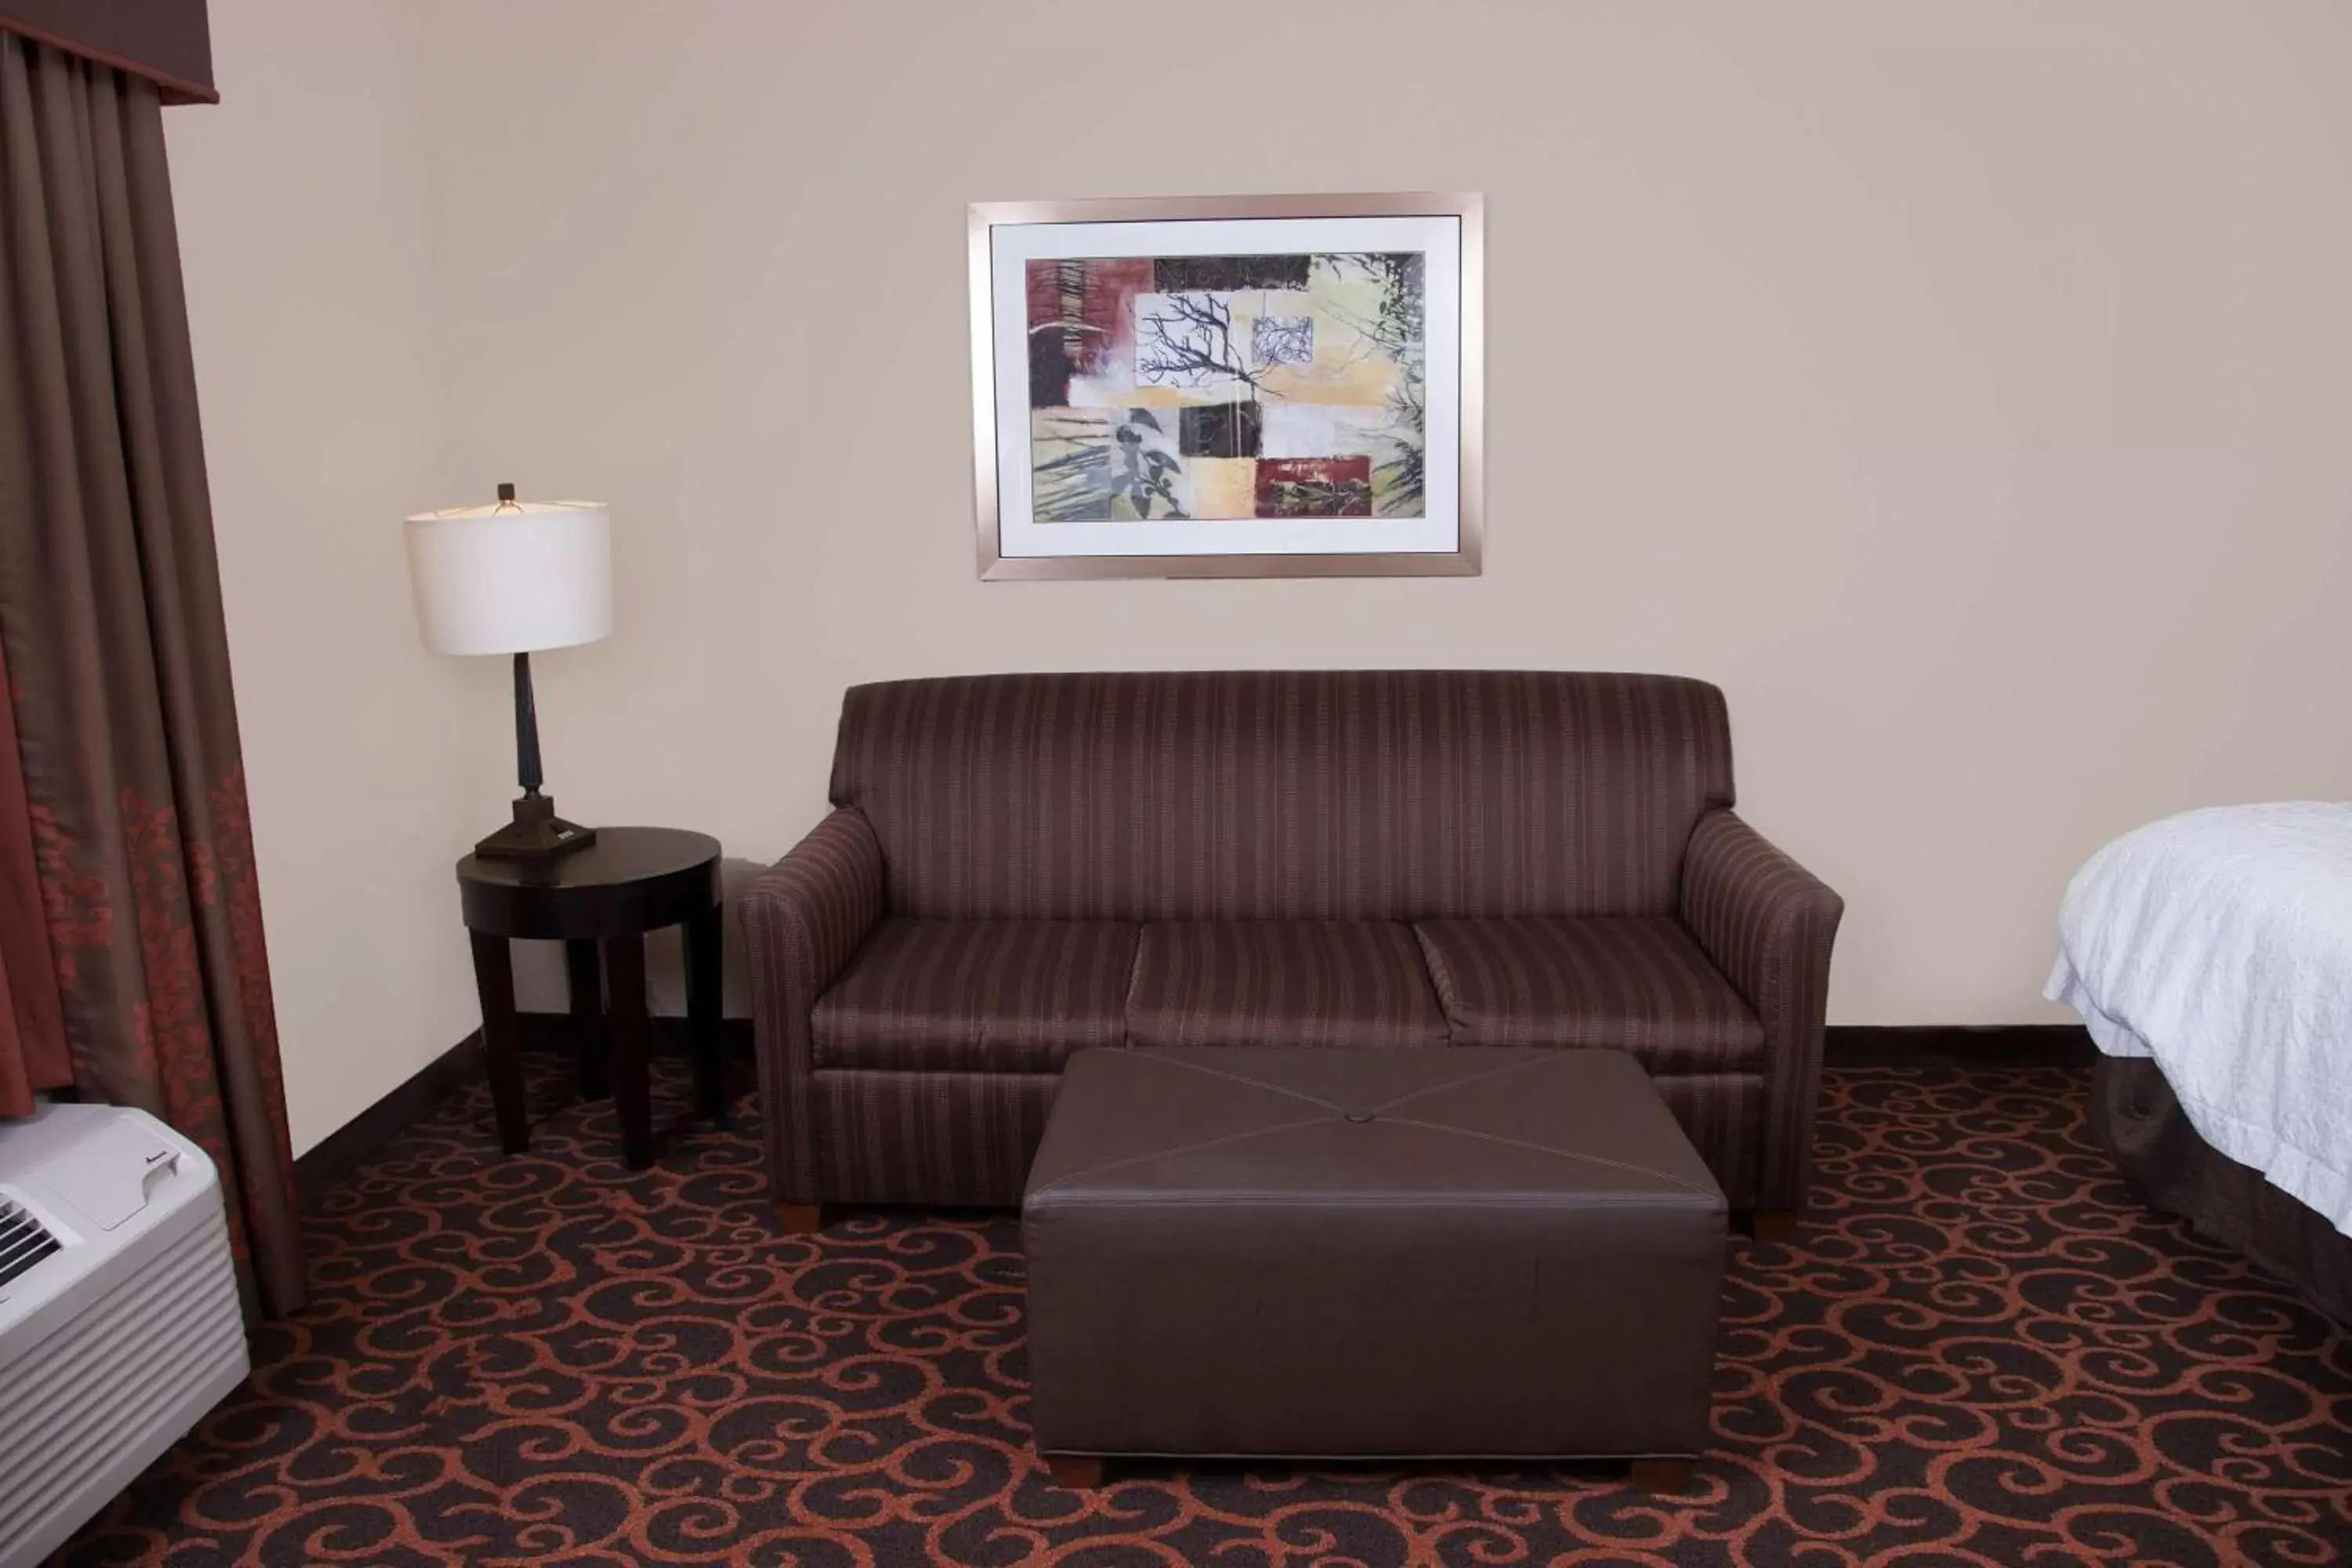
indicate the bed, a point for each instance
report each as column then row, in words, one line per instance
column 2210, row 957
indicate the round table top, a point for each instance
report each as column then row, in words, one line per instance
column 631, row 880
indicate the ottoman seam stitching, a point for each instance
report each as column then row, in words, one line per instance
column 1180, row 1149
column 1546, row 1059
column 1548, row 1148
column 1164, row 1061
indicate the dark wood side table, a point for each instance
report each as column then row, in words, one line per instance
column 601, row 902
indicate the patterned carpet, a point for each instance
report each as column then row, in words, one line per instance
column 1982, row 1351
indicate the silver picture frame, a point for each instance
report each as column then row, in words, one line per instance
column 1465, row 560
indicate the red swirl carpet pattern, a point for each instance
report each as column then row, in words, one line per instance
column 1982, row 1351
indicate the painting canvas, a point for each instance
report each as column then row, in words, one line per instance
column 1256, row 391
column 1226, row 386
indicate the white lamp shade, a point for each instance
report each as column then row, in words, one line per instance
column 512, row 578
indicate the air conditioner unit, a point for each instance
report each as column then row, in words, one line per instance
column 119, row 1318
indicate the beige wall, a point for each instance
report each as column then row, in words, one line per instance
column 1965, row 388
column 303, row 231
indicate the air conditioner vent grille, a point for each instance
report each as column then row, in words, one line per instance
column 24, row 1240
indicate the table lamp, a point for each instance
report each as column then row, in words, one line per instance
column 519, row 577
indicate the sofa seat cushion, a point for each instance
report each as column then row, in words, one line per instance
column 1640, row 986
column 976, row 995
column 1281, row 983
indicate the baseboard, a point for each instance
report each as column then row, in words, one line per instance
column 1959, row 1046
column 360, row 1138
column 356, row 1141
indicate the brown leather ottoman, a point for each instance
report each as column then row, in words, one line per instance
column 1414, row 1253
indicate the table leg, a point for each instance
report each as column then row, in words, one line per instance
column 588, row 1041
column 703, row 1002
column 624, row 1022
column 494, row 980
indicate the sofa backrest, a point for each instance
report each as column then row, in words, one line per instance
column 1299, row 794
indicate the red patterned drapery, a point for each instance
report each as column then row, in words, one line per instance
column 110, row 618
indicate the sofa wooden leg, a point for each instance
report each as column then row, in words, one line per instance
column 1774, row 1225
column 1660, row 1475
column 800, row 1219
column 1079, row 1472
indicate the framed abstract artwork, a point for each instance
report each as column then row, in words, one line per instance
column 1247, row 386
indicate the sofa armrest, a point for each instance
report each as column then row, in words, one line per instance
column 802, row 920
column 1769, row 924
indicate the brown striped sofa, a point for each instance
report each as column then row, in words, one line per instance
column 1021, row 866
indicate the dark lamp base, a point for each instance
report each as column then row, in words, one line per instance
column 535, row 834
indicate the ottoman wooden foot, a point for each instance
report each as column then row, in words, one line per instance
column 1660, row 1475
column 800, row 1219
column 1079, row 1472
column 1776, row 1225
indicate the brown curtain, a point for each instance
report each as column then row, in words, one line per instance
column 110, row 618
column 31, row 1021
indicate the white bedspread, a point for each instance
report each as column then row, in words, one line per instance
column 2220, row 942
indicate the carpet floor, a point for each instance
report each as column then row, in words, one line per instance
column 1981, row 1350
